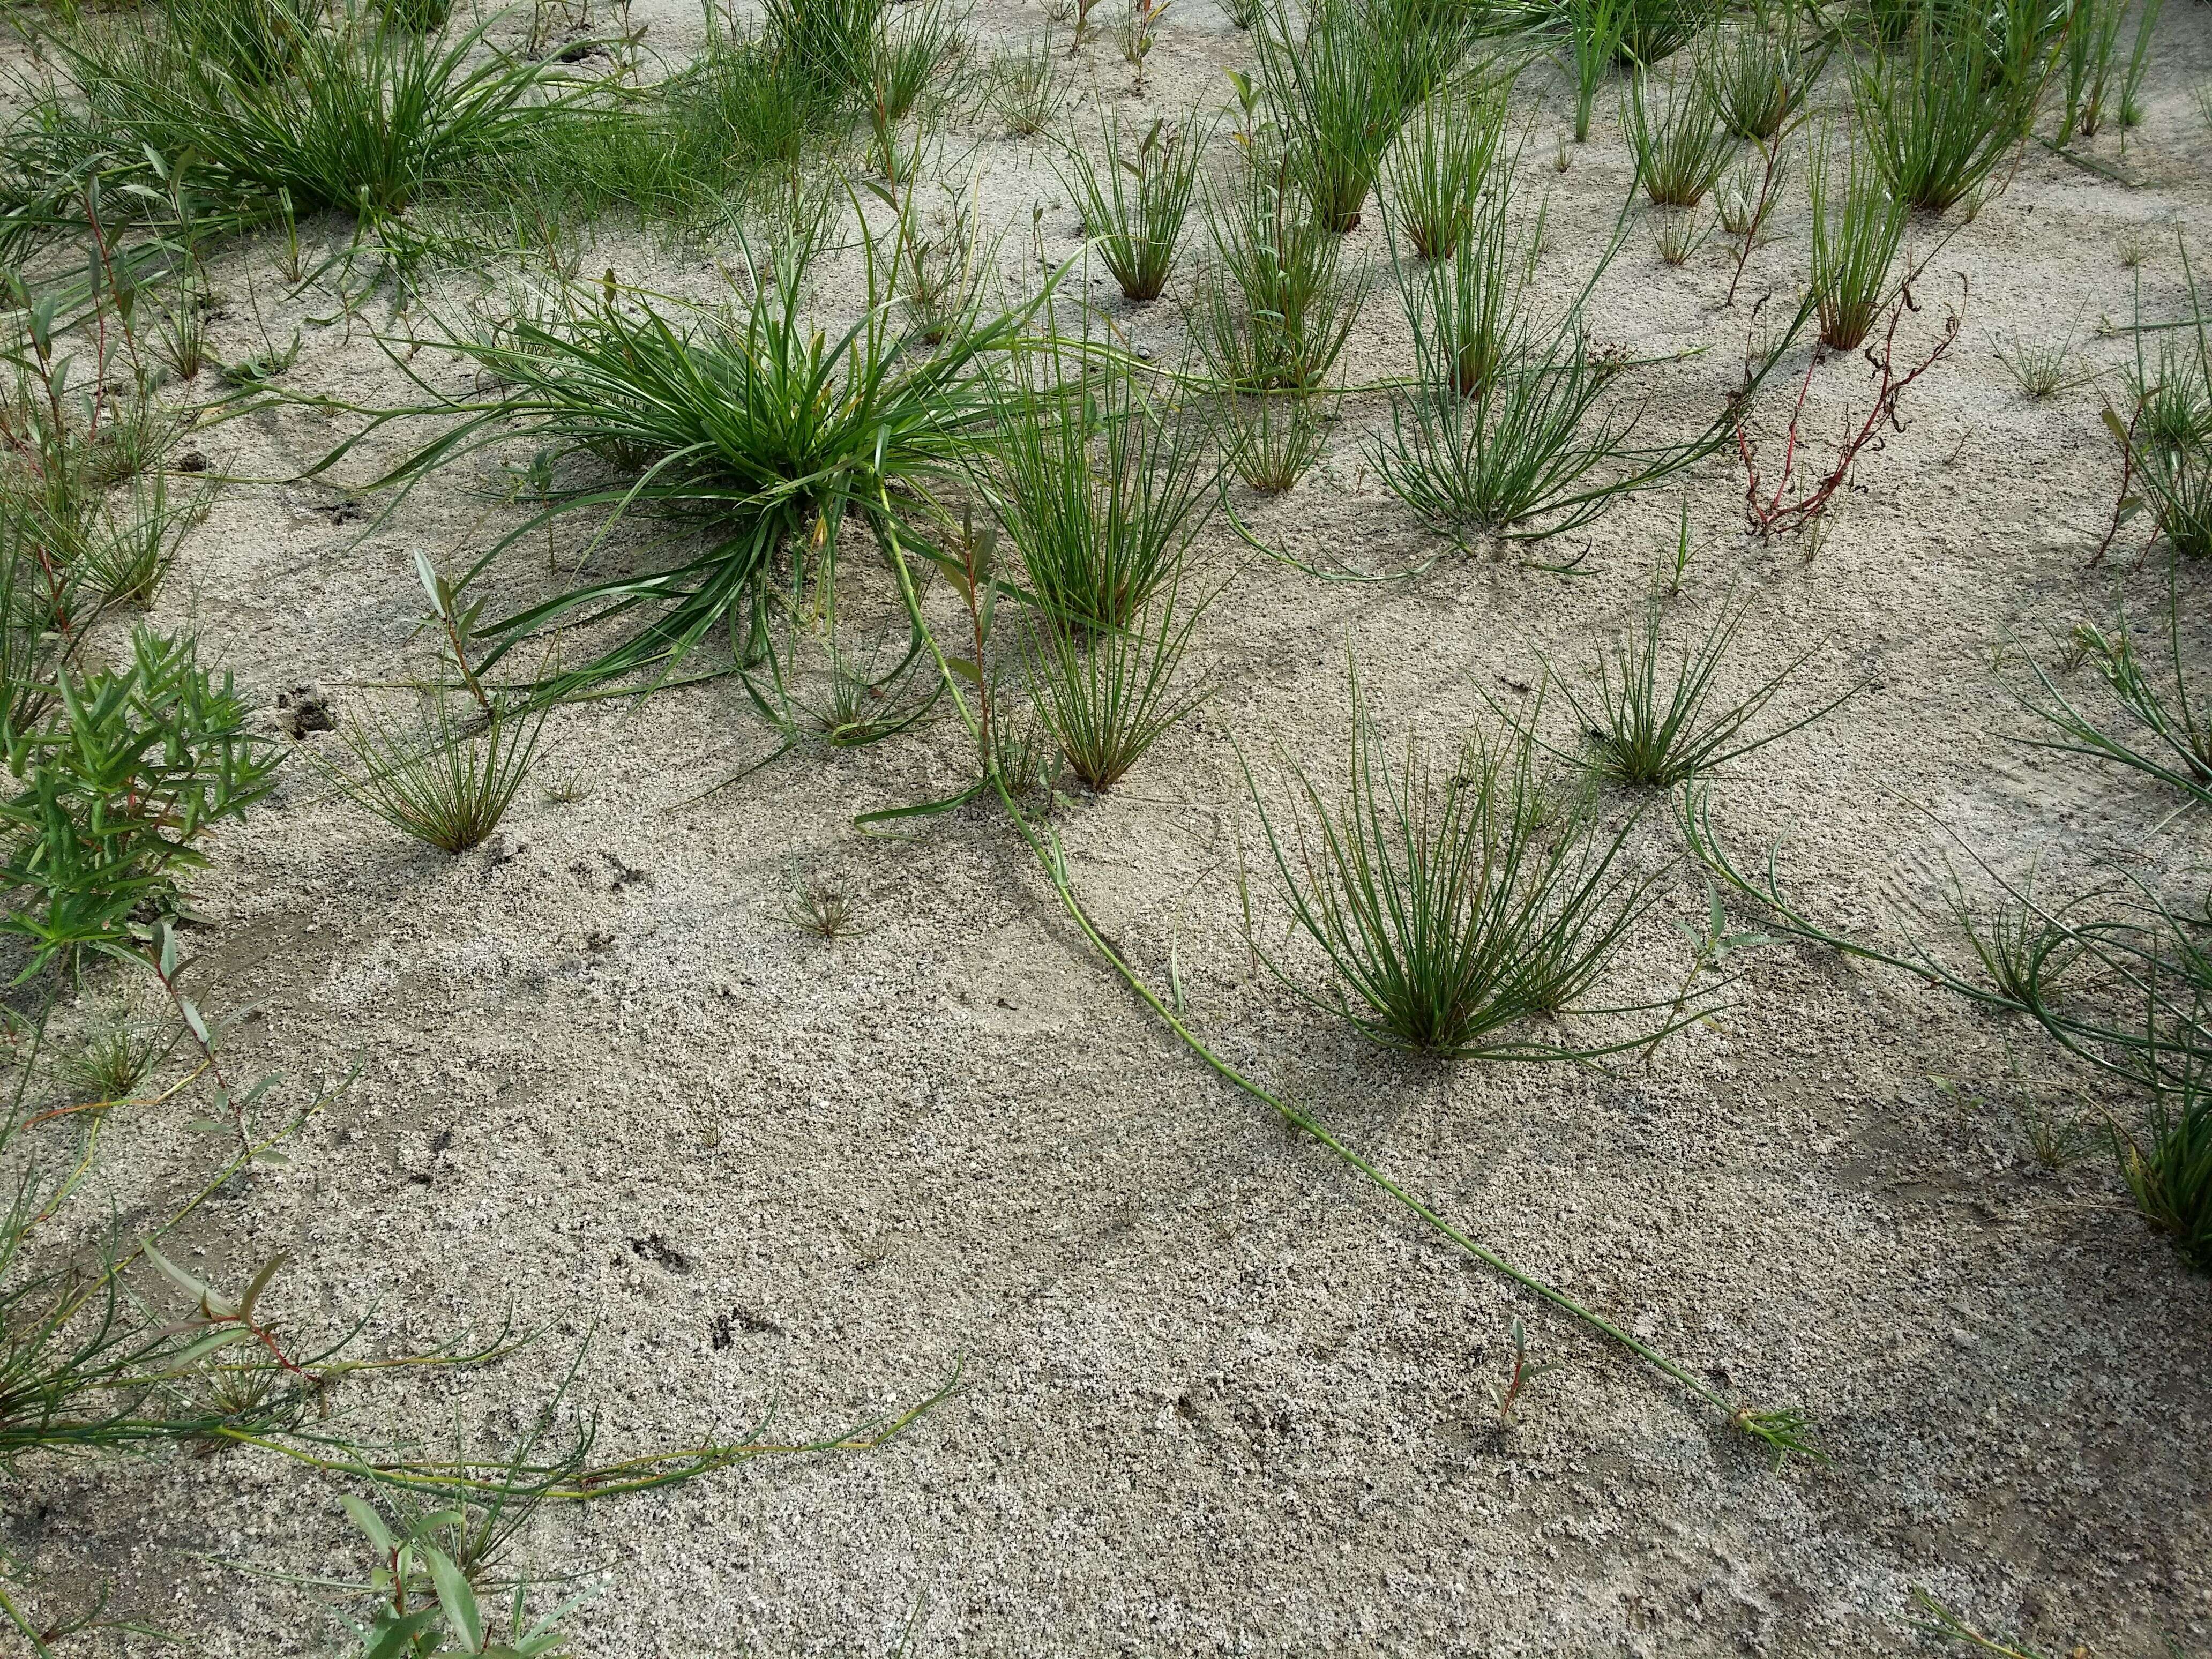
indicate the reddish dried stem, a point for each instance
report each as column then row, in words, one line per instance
column 1776, row 517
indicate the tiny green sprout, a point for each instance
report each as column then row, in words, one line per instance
column 2074, row 647
column 1787, row 1429
column 1679, row 554
column 1518, row 1376
column 824, row 908
column 1937, row 1621
column 1713, row 943
column 251, row 374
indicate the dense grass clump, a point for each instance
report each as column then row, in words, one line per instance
column 1680, row 150
column 1858, row 226
column 1946, row 108
column 758, row 432
column 1438, row 169
column 1100, row 491
column 1278, row 300
column 1760, row 73
column 1451, row 900
column 355, row 112
column 1342, row 81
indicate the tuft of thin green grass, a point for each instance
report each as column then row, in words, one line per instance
column 1438, row 167
column 1106, row 697
column 1760, row 73
column 1858, row 226
column 117, row 1051
column 2024, row 950
column 748, row 424
column 1591, row 48
column 126, row 562
column 2165, row 442
column 1467, row 312
column 371, row 117
column 1651, row 30
column 1490, row 464
column 1651, row 730
column 2043, row 368
column 1272, row 439
column 2176, row 724
column 1278, row 302
column 1342, row 81
column 1100, row 491
column 824, row 908
column 1680, row 151
column 1543, row 448
column 1677, row 234
column 2167, row 1161
column 1135, row 216
column 832, row 46
column 1026, row 89
column 2087, row 59
column 941, row 262
column 441, row 780
column 1449, row 899
column 2131, row 104
column 914, row 52
column 1948, row 108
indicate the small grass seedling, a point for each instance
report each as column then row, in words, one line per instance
column 2046, row 367
column 823, row 908
column 1521, row 1375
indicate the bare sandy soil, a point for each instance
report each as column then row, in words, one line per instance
column 1215, row 1396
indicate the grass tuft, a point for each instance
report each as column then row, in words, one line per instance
column 1650, row 731
column 1276, row 306
column 1135, row 214
column 1680, row 151
column 1107, row 695
column 1099, row 490
column 1452, row 902
column 1439, row 165
column 1943, row 112
column 1858, row 226
column 441, row 782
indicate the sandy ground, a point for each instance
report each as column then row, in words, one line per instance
column 1216, row 1397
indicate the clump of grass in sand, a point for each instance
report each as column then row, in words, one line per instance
column 444, row 780
column 1649, row 730
column 1133, row 214
column 1452, row 900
